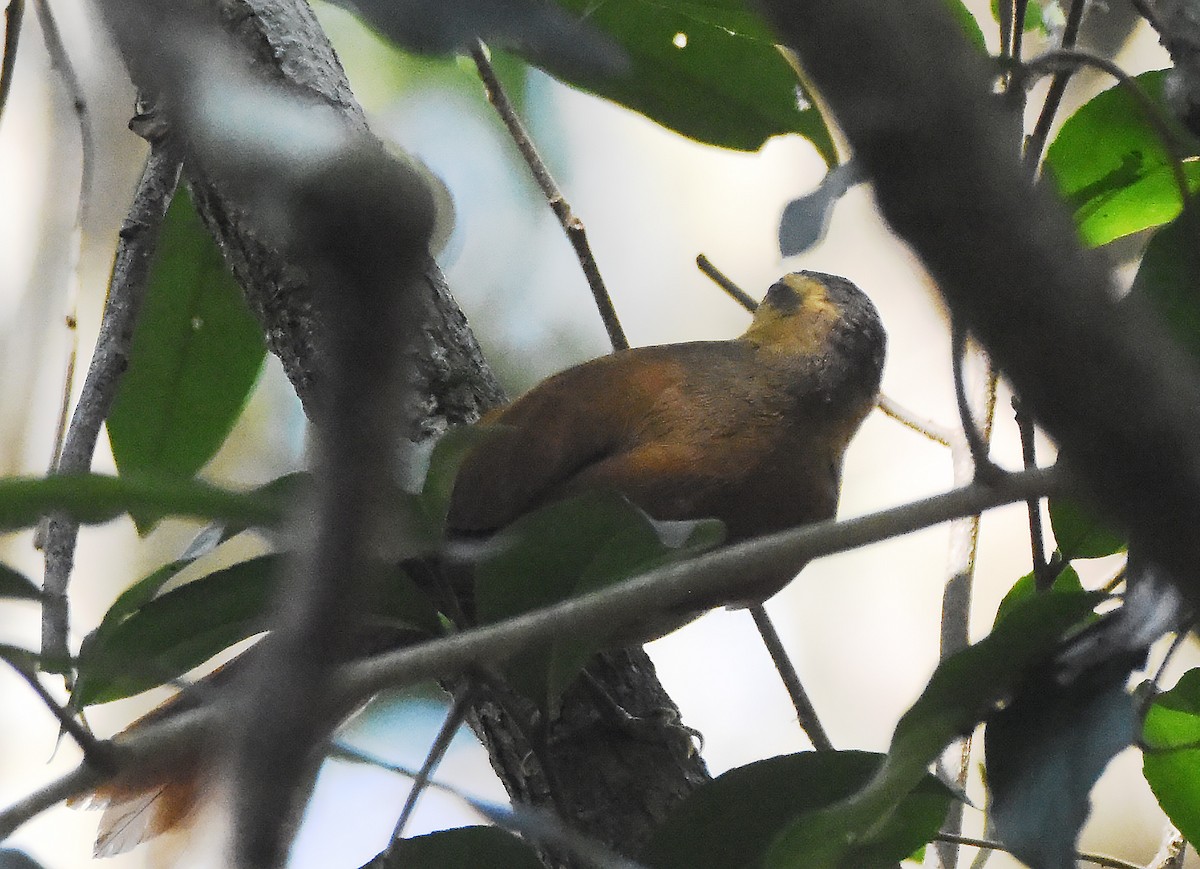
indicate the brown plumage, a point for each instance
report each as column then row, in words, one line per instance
column 750, row 431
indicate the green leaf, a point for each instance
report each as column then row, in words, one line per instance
column 732, row 820
column 169, row 635
column 195, row 357
column 1079, row 533
column 969, row 25
column 92, row 499
column 1033, row 15
column 462, row 848
column 962, row 692
column 1171, row 760
column 1168, row 278
column 15, row 584
column 1111, row 166
column 1067, row 582
column 567, row 549
column 728, row 84
column 448, row 455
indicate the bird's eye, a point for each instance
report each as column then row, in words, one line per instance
column 783, row 297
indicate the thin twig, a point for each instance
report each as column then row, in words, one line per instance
column 969, row 458
column 976, row 441
column 94, row 751
column 1146, row 11
column 138, row 237
column 571, row 224
column 719, row 278
column 1043, row 576
column 13, row 16
column 60, row 60
column 1097, row 859
column 1058, row 86
column 907, row 418
column 441, row 744
column 663, row 589
column 806, row 713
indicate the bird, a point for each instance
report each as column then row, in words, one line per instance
column 751, row 431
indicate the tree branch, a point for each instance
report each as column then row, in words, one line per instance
column 1118, row 394
column 138, row 238
column 709, row 576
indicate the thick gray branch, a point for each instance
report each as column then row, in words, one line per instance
column 916, row 102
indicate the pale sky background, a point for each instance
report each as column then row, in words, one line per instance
column 862, row 626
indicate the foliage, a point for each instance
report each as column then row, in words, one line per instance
column 710, row 70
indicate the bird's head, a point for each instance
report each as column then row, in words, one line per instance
column 815, row 316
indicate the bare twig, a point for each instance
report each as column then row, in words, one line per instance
column 927, row 427
column 13, row 16
column 806, row 713
column 1097, row 859
column 1043, row 576
column 138, row 238
column 719, row 278
column 455, row 716
column 1036, row 141
column 61, row 61
column 969, row 456
column 571, row 224
column 95, row 752
column 664, row 588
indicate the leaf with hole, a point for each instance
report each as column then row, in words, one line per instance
column 195, row 356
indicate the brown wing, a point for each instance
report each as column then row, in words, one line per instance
column 569, row 422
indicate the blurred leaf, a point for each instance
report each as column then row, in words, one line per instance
column 452, row 449
column 969, row 25
column 1045, row 751
column 566, row 549
column 1079, row 533
column 95, row 498
column 21, row 659
column 732, row 820
column 1067, row 582
column 962, row 692
column 462, row 848
column 1110, row 164
column 1033, row 15
column 169, row 635
column 806, row 219
column 532, row 27
column 195, row 357
column 1171, row 757
column 11, row 858
column 15, row 584
column 708, row 69
column 1168, row 278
